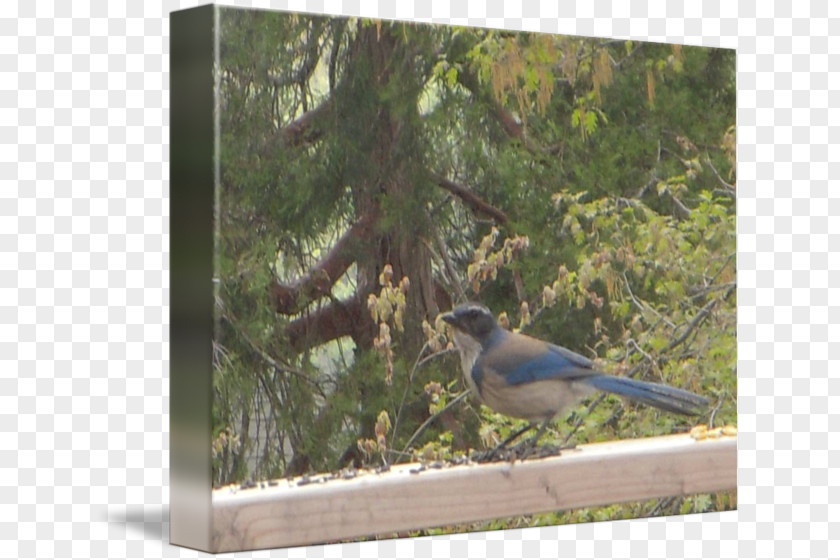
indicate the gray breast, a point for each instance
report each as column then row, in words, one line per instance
column 469, row 349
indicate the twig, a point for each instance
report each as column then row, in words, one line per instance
column 448, row 266
column 714, row 412
column 418, row 363
column 434, row 417
column 692, row 325
column 723, row 266
column 691, row 328
column 579, row 421
column 683, row 210
column 431, row 357
column 647, row 356
column 713, row 288
column 641, row 307
column 269, row 360
column 728, row 187
column 630, row 54
column 275, row 405
column 405, row 392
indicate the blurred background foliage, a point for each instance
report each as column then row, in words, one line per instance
column 374, row 174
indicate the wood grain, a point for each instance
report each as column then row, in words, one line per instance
column 291, row 514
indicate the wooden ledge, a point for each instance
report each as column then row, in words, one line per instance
column 299, row 512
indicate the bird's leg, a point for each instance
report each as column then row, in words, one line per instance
column 526, row 448
column 532, row 444
column 514, row 435
column 488, row 455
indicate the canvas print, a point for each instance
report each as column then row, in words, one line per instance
column 466, row 279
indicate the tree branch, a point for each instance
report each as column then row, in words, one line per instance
column 727, row 187
column 473, row 201
column 636, row 49
column 301, row 130
column 334, row 320
column 696, row 291
column 680, row 209
column 695, row 322
column 292, row 297
column 506, row 119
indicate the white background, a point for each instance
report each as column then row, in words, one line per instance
column 84, row 260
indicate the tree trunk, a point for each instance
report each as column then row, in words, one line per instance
column 393, row 186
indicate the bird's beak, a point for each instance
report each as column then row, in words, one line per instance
column 450, row 318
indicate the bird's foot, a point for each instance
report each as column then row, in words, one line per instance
column 529, row 449
column 494, row 455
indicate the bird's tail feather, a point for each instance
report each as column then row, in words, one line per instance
column 653, row 394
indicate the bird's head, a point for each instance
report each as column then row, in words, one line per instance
column 472, row 319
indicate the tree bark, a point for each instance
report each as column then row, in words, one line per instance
column 472, row 200
column 330, row 322
column 292, row 297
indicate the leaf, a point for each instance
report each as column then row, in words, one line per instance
column 451, row 76
column 576, row 117
column 590, row 122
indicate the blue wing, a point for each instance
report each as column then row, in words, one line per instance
column 522, row 359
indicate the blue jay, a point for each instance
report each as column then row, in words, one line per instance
column 520, row 376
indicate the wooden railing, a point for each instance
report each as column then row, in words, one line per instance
column 330, row 508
